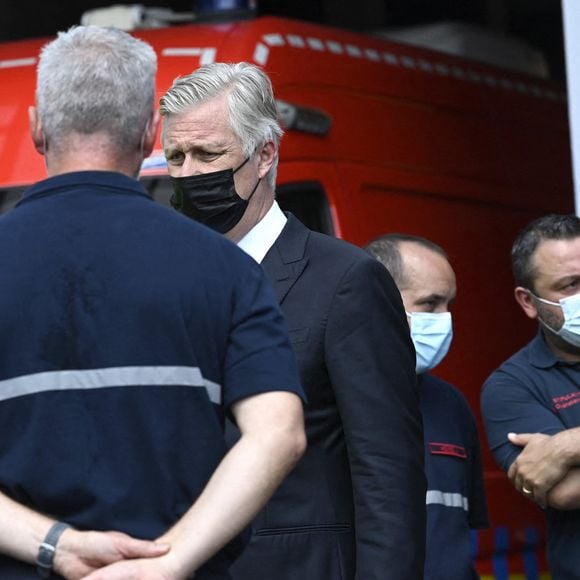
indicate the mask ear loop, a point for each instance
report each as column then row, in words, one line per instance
column 240, row 166
column 254, row 190
column 544, row 301
column 257, row 183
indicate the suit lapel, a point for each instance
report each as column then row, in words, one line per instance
column 286, row 259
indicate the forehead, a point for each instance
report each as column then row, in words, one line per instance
column 207, row 123
column 554, row 259
column 426, row 270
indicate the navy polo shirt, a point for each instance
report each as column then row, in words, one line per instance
column 455, row 491
column 126, row 333
column 534, row 392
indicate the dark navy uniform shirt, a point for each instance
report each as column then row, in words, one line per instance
column 455, row 492
column 126, row 333
column 534, row 392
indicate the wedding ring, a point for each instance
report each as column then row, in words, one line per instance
column 526, row 491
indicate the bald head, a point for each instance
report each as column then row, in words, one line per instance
column 420, row 269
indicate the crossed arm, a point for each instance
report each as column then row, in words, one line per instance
column 541, row 453
column 548, row 465
column 272, row 440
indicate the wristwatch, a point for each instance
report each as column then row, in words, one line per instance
column 47, row 549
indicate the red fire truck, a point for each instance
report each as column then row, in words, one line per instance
column 384, row 137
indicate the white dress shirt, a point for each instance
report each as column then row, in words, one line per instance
column 262, row 236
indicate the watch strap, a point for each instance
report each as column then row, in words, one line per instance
column 47, row 549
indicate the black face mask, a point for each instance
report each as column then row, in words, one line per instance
column 211, row 198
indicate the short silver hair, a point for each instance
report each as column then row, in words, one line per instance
column 252, row 106
column 93, row 79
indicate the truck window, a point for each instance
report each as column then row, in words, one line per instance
column 307, row 201
column 159, row 188
column 9, row 198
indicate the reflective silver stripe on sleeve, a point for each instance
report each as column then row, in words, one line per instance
column 447, row 499
column 108, row 377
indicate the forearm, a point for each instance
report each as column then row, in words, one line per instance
column 566, row 445
column 565, row 495
column 544, row 464
column 238, row 489
column 21, row 530
column 390, row 513
column 385, row 451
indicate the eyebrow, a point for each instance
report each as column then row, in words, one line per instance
column 214, row 145
column 210, row 148
column 567, row 279
column 435, row 297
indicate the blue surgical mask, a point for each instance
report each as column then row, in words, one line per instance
column 431, row 333
column 570, row 330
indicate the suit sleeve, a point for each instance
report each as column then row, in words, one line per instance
column 478, row 517
column 371, row 363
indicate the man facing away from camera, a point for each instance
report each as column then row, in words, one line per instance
column 455, row 497
column 127, row 333
column 354, row 507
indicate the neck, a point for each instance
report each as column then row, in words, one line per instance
column 561, row 349
column 90, row 153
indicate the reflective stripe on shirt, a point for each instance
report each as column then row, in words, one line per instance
column 108, row 377
column 447, row 499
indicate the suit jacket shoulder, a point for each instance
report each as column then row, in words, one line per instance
column 327, row 258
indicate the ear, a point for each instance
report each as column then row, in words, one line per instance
column 150, row 136
column 267, row 156
column 36, row 130
column 526, row 301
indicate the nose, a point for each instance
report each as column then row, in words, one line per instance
column 191, row 166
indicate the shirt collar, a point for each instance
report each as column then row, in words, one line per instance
column 541, row 356
column 65, row 182
column 258, row 241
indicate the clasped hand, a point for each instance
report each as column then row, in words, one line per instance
column 112, row 556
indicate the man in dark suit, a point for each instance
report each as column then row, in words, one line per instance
column 354, row 507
